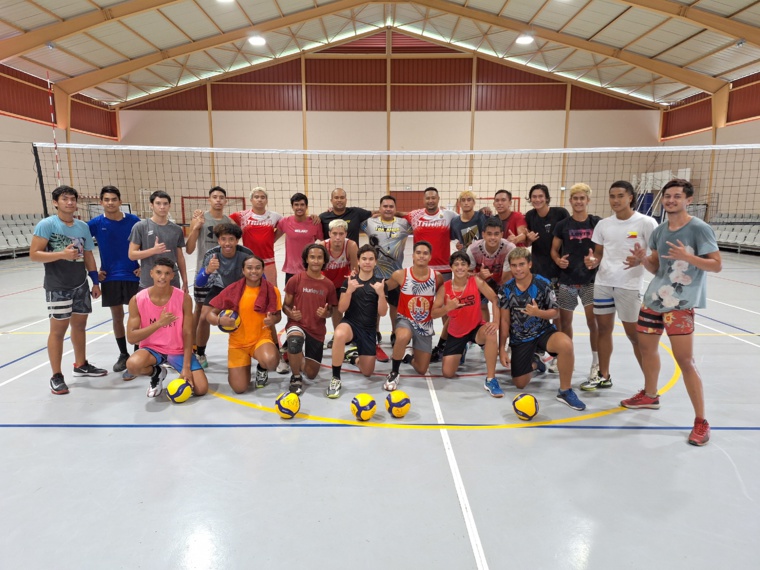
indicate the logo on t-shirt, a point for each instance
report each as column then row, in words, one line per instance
column 419, row 308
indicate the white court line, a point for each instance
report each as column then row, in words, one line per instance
column 48, row 362
column 42, row 321
column 729, row 335
column 733, row 306
column 464, row 503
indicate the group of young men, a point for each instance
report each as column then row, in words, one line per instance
column 574, row 255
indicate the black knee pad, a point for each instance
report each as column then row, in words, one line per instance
column 295, row 344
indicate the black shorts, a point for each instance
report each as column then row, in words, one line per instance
column 456, row 345
column 199, row 294
column 116, row 293
column 62, row 303
column 522, row 354
column 393, row 296
column 313, row 348
column 365, row 340
column 213, row 292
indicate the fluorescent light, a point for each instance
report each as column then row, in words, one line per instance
column 525, row 39
column 257, row 41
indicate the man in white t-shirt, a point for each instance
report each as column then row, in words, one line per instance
column 617, row 287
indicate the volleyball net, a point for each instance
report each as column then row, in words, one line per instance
column 725, row 177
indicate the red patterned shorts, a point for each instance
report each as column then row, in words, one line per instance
column 678, row 322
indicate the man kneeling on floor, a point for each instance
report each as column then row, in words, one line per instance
column 528, row 304
column 161, row 321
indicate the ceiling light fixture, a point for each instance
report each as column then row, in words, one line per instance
column 257, row 41
column 525, row 38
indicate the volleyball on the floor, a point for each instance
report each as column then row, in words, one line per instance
column 397, row 404
column 363, row 407
column 233, row 315
column 179, row 391
column 525, row 406
column 287, row 404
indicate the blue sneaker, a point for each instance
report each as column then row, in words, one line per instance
column 492, row 387
column 568, row 397
column 540, row 366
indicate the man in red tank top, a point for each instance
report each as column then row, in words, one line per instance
column 161, row 321
column 460, row 300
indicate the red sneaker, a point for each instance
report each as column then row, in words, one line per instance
column 641, row 400
column 700, row 435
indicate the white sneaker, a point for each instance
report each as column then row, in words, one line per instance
column 551, row 367
column 594, row 372
column 391, row 382
column 156, row 382
column 283, row 367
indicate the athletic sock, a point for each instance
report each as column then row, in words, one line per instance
column 201, row 351
column 594, row 358
column 336, row 372
column 396, row 365
column 122, row 344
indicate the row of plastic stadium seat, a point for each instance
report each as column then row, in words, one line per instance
column 16, row 231
column 723, row 218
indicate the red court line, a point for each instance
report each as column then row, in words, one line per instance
column 24, row 291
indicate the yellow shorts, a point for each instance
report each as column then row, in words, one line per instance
column 237, row 357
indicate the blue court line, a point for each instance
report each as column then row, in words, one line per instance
column 726, row 324
column 331, row 425
column 45, row 347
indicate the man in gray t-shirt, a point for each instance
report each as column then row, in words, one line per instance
column 158, row 237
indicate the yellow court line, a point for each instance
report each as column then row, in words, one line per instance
column 573, row 419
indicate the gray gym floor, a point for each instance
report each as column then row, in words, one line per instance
column 107, row 478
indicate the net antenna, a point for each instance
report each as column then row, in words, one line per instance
column 55, row 140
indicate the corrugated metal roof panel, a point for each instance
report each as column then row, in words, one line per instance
column 68, row 8
column 665, row 37
column 403, row 43
column 557, row 14
column 156, row 29
column 594, row 18
column 122, row 39
column 60, row 61
column 111, row 92
column 190, row 19
column 228, row 15
column 313, row 30
column 288, row 72
column 373, row 44
column 491, row 72
column 523, row 10
column 729, row 58
column 188, row 100
column 750, row 16
column 724, row 7
column 91, row 50
column 345, row 70
column 629, row 27
column 31, row 68
column 746, row 80
column 345, row 97
column 441, row 26
column 25, row 15
column 695, row 47
column 231, row 97
column 18, row 74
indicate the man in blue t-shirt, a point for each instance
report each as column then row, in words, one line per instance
column 119, row 275
column 528, row 305
column 64, row 245
column 683, row 249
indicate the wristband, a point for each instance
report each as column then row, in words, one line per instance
column 94, row 276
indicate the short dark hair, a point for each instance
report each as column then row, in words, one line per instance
column 160, row 194
column 365, row 249
column 544, row 188
column 308, row 248
column 425, row 243
column 387, row 197
column 110, row 190
column 688, row 187
column 228, row 229
column 166, row 262
column 299, row 197
column 252, row 256
column 431, row 189
column 493, row 222
column 61, row 190
column 217, row 189
column 502, row 191
column 627, row 186
column 459, row 255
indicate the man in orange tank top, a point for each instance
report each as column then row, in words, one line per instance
column 460, row 300
column 161, row 321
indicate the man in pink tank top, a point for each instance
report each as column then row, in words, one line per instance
column 161, row 321
column 460, row 300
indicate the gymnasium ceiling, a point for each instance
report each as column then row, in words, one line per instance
column 655, row 51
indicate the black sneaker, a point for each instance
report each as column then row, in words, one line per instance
column 88, row 369
column 296, row 384
column 156, row 381
column 57, row 385
column 437, row 354
column 379, row 337
column 121, row 364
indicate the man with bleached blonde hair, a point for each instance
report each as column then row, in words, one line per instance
column 468, row 226
column 570, row 246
